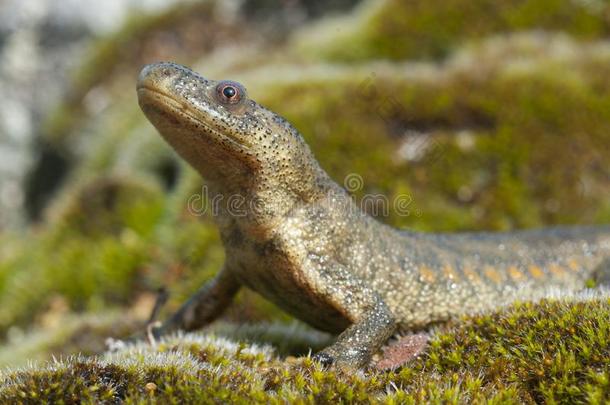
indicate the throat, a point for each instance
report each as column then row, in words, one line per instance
column 245, row 212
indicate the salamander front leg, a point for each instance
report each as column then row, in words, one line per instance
column 372, row 321
column 204, row 306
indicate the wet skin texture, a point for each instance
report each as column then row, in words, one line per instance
column 297, row 238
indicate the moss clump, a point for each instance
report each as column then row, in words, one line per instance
column 553, row 351
column 395, row 29
column 108, row 206
column 548, row 352
column 95, row 253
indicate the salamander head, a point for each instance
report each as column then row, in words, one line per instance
column 230, row 139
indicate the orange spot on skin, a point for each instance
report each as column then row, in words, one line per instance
column 573, row 265
column 427, row 274
column 449, row 272
column 471, row 274
column 493, row 275
column 536, row 272
column 515, row 273
column 556, row 270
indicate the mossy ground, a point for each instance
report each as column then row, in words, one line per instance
column 432, row 29
column 503, row 122
column 555, row 351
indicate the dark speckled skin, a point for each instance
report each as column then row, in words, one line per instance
column 300, row 241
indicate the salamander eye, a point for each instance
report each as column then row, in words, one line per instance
column 230, row 92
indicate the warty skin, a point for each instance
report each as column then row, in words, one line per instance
column 302, row 242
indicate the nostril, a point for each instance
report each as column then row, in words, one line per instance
column 154, row 71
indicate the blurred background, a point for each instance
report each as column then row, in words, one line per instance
column 490, row 115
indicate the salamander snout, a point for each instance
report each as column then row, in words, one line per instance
column 152, row 75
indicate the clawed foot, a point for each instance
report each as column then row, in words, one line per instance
column 325, row 359
column 346, row 359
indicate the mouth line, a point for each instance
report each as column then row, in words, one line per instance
column 186, row 110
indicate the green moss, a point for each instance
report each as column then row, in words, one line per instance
column 395, row 29
column 548, row 352
column 109, row 206
column 554, row 351
column 95, row 253
column 64, row 334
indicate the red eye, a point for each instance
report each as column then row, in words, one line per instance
column 229, row 92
